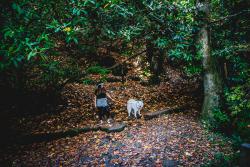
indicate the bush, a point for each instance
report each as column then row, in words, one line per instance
column 221, row 160
column 98, row 70
column 239, row 106
column 221, row 118
column 219, row 122
column 88, row 81
column 192, row 70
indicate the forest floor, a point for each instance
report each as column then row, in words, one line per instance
column 173, row 139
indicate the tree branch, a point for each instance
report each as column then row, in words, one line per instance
column 229, row 16
column 117, row 64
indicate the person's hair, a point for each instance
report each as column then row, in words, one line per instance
column 100, row 89
column 100, row 85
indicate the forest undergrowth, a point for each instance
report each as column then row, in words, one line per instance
column 176, row 138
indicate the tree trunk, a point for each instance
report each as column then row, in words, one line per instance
column 155, row 59
column 212, row 80
column 150, row 54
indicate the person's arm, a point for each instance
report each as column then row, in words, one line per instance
column 108, row 95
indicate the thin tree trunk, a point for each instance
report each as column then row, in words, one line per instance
column 155, row 59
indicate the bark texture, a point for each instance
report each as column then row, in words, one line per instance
column 155, row 57
column 212, row 80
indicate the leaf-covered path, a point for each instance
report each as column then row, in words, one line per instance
column 172, row 139
column 175, row 137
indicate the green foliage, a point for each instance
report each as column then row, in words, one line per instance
column 235, row 100
column 218, row 122
column 88, row 81
column 239, row 106
column 230, row 43
column 146, row 73
column 36, row 26
column 161, row 43
column 221, row 118
column 222, row 160
column 97, row 70
column 52, row 72
column 54, row 75
column 23, row 38
column 192, row 70
column 236, row 141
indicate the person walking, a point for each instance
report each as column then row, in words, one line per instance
column 101, row 102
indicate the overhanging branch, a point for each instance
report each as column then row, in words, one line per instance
column 131, row 57
column 230, row 16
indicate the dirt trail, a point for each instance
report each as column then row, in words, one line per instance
column 79, row 111
column 176, row 137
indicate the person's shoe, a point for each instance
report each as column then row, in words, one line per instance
column 100, row 123
column 109, row 121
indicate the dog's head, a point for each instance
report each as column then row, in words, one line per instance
column 139, row 104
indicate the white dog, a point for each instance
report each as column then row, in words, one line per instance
column 134, row 105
